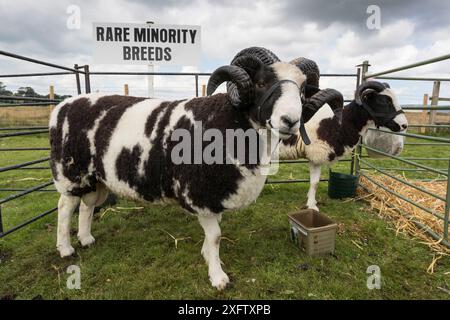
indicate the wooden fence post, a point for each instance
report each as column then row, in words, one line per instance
column 125, row 88
column 51, row 95
column 434, row 102
column 424, row 113
column 203, row 90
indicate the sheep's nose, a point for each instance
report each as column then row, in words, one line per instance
column 288, row 121
column 404, row 126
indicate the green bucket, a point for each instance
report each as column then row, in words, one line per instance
column 342, row 185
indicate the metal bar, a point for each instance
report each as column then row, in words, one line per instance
column 196, row 85
column 200, row 74
column 407, row 169
column 1, row 221
column 407, row 161
column 403, row 197
column 402, row 181
column 77, row 79
column 422, row 158
column 443, row 99
column 413, row 135
column 26, row 133
column 430, row 125
column 426, row 144
column 25, row 104
column 414, row 78
column 25, row 192
column 290, row 181
column 29, row 98
column 19, row 190
column 16, row 56
column 36, row 74
column 34, row 168
column 409, row 66
column 338, row 74
column 22, row 128
column 443, row 108
column 28, row 222
column 301, row 161
column 87, row 81
column 447, row 205
column 24, row 149
column 353, row 156
column 24, row 164
column 136, row 73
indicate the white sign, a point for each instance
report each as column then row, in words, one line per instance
column 125, row 43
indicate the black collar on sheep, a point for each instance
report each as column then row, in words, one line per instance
column 382, row 118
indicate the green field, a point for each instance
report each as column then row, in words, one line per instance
column 135, row 257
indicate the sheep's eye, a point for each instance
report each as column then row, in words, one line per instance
column 260, row 85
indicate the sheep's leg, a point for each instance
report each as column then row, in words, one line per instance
column 66, row 206
column 314, row 178
column 210, row 250
column 88, row 203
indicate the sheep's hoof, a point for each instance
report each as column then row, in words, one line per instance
column 314, row 208
column 66, row 251
column 87, row 240
column 219, row 280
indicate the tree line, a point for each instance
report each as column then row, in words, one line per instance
column 26, row 92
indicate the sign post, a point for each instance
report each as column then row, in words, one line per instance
column 150, row 77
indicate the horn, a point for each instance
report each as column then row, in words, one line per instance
column 237, row 76
column 311, row 70
column 333, row 97
column 248, row 63
column 265, row 56
column 373, row 85
column 386, row 85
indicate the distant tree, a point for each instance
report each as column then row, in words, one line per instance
column 4, row 91
column 27, row 92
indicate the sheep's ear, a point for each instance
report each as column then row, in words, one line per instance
column 239, row 77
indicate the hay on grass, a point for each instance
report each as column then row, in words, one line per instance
column 405, row 216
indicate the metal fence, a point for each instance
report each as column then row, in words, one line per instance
column 362, row 165
column 83, row 72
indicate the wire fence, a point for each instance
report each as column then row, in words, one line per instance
column 362, row 166
column 358, row 163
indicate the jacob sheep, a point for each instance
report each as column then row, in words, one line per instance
column 334, row 135
column 124, row 145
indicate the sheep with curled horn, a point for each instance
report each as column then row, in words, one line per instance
column 130, row 146
column 334, row 134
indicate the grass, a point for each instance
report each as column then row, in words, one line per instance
column 136, row 258
column 24, row 116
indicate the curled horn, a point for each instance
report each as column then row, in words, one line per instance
column 331, row 96
column 369, row 85
column 311, row 70
column 265, row 56
column 237, row 76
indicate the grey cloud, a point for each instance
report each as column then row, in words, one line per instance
column 426, row 14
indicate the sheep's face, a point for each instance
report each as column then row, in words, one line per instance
column 386, row 102
column 282, row 110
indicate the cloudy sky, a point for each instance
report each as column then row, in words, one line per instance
column 333, row 33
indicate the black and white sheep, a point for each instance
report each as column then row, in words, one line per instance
column 334, row 134
column 123, row 144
